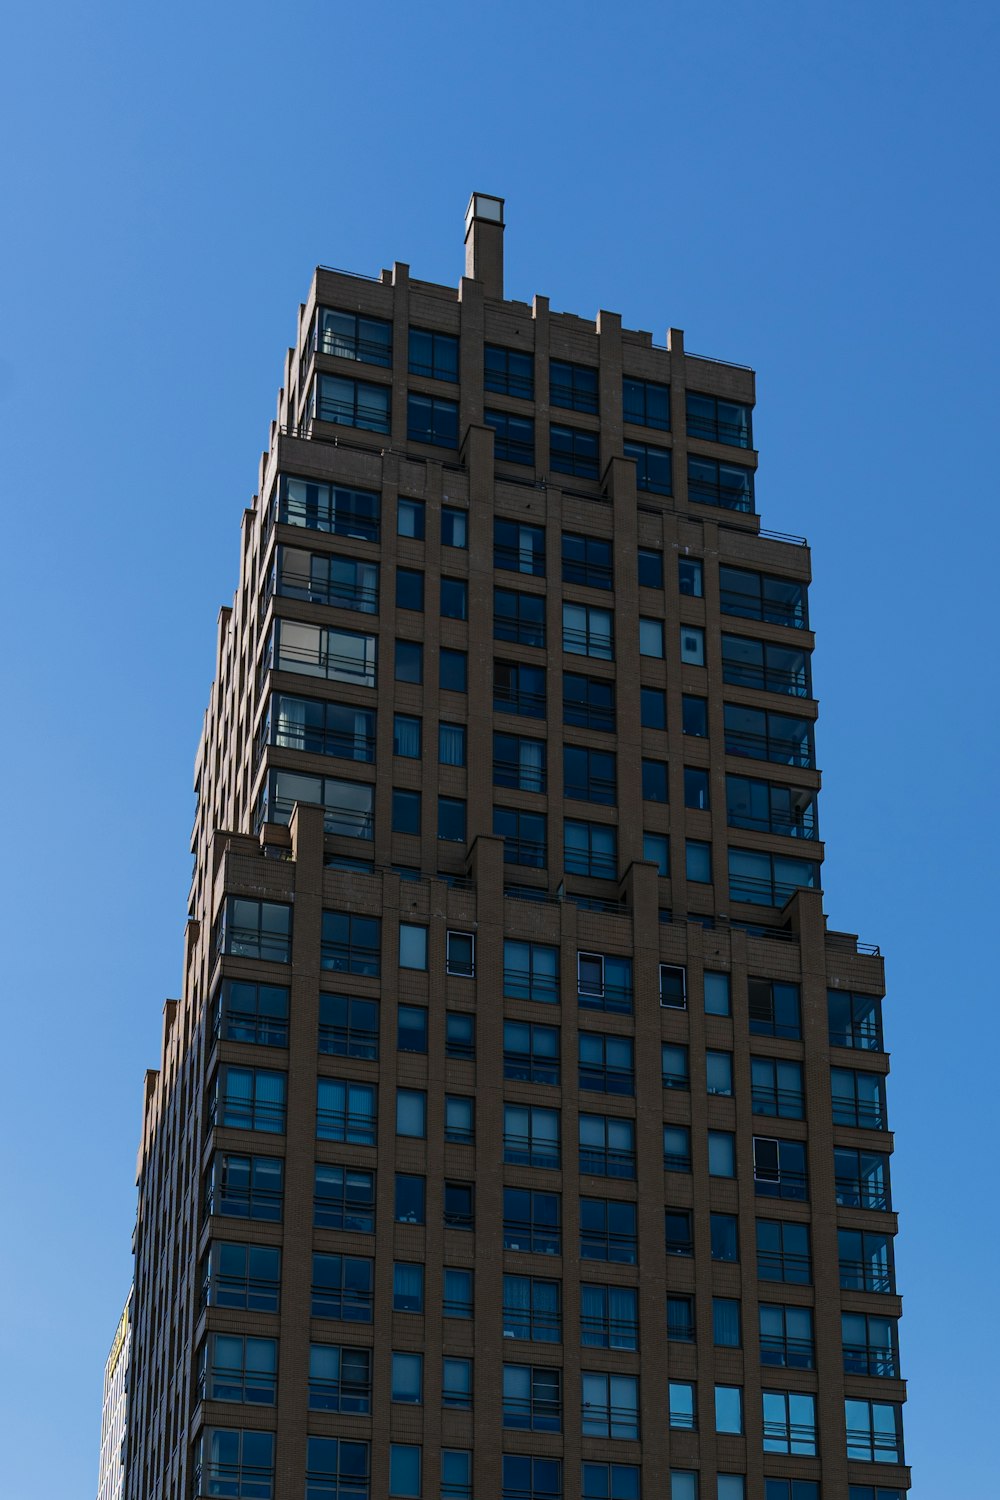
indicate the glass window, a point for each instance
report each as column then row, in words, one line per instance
column 682, row 1405
column 573, row 451
column 531, row 1136
column 326, row 578
column 724, row 1237
column 237, row 1368
column 334, row 729
column 246, row 1187
column 532, row 1221
column 693, row 645
column 695, row 787
column 454, row 599
column 454, row 527
column 451, row 744
column 608, row 1231
column 519, row 617
column 694, row 713
column 342, row 1288
column 519, row 762
column 411, row 1028
column 532, row 1398
column 255, row 929
column 249, row 1099
column 409, row 1199
column 755, row 596
column 646, row 403
column 733, row 1487
column 459, row 1119
column 351, row 403
column 344, row 1198
column 858, row 1098
column 523, row 834
column 789, row 1422
column 607, row 1146
column 409, row 589
column 609, row 1317
column 404, row 1469
column 410, row 519
column 459, row 1205
column 589, row 775
column 513, row 437
column 678, row 1232
column 453, row 670
column 456, row 1383
column 587, row 631
column 460, row 1035
column 727, row 485
column 530, row 971
column 691, row 576
column 407, row 1377
column 333, row 508
column 610, row 1405
column 871, row 1345
column 719, row 1072
column 412, row 946
column 774, row 1008
column 721, row 1153
column 531, row 1052
column 779, row 1168
column 656, row 847
column 855, row 1020
column 604, row 982
column 653, row 703
column 346, row 1111
column 766, row 666
column 433, row 353
column 246, row 1278
column 235, row 1463
column 719, row 421
column 411, row 1113
column 456, row 1474
column 654, row 780
column 573, row 386
column 729, row 1408
column 451, row 819
column 431, row 419
column 531, row 1309
column 726, row 1322
column 336, row 1467
column 607, row 1064
column 526, row 1478
column 519, row 688
column 405, row 811
column 509, row 372
column 786, row 1337
column 406, row 737
column 610, row 1481
column 519, row 548
column 340, row 1379
column 680, row 1319
column 457, row 1299
column 587, row 560
column 409, row 661
column 866, row 1260
column 588, row 702
column 590, row 849
column 717, row 997
column 324, row 651
column 460, row 950
column 348, row 805
column 350, row 335
column 783, row 1252
column 861, row 1178
column 698, row 860
column 675, row 1066
column 777, row 1088
column 652, row 467
column 651, row 638
column 676, row 1148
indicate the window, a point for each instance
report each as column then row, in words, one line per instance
column 350, row 403
column 348, row 805
column 234, row 1368
column 513, row 437
column 719, row 1072
column 409, row 661
column 724, row 1231
column 589, row 775
column 651, row 638
column 532, row 1398
column 675, row 1066
column 779, row 1168
column 693, row 645
column 245, row 1187
column 726, row 1323
column 756, row 596
column 610, row 1482
column 695, row 787
column 246, row 1278
column 531, row 1221
column 774, row 1009
column 238, row 1464
column 405, row 811
column 531, row 1052
column 411, row 1028
column 729, row 1408
column 874, row 1431
column 783, row 1252
column 451, row 744
column 673, row 986
column 587, row 631
column 336, row 1469
column 609, row 1317
column 342, row 1288
column 653, row 708
column 459, row 1119
column 460, row 954
column 526, row 1478
column 719, row 421
column 351, row 336
column 454, row 527
column 457, row 1300
column 604, row 982
column 590, row 849
column 786, row 1337
column 460, row 1035
column 519, row 689
column 683, row 1484
column 691, row 577
column 453, row 670
column 433, row 353
column 509, row 372
column 456, row 1474
column 324, row 651
column 587, row 560
column 795, row 1489
column 764, row 665
column 789, row 1422
column 345, row 1111
column 412, row 946
column 459, row 1205
column 333, row 508
column 727, row 485
column 717, row 994
column 761, row 735
column 698, row 861
column 407, row 1377
column 654, row 781
column 519, row 763
column 409, row 1206
column 607, row 1146
column 431, row 419
column 530, row 1136
column 682, row 1405
column 326, row 578
column 451, row 819
column 321, row 728
column 573, row 451
column 608, row 1231
column 653, row 470
column 247, row 1012
column 411, row 1113
column 519, row 548
column 777, row 1088
column 255, row 929
column 866, row 1260
column 456, row 1383
column 770, row 808
column 680, row 1319
column 721, row 1153
column 340, row 1379
column 858, row 1098
column 861, row 1178
column 574, row 386
column 678, row 1232
column 855, row 1020
column 656, row 848
column 589, row 702
column 694, row 716
column 676, row 1148
column 404, row 1469
column 531, row 1310
column 871, row 1344
column 519, row 617
column 646, row 403
column 409, row 589
column 610, row 1405
column 344, row 1198
column 607, row 1065
column 530, row 971
column 410, row 519
column 523, row 834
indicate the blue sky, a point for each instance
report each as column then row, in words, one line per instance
column 806, row 188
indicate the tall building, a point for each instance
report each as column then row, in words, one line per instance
column 521, row 1131
column 114, row 1406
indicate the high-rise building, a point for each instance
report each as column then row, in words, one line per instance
column 521, row 1132
column 114, row 1405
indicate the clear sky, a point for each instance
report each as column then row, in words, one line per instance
column 807, row 188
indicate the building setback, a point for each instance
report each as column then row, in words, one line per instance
column 521, row 1131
